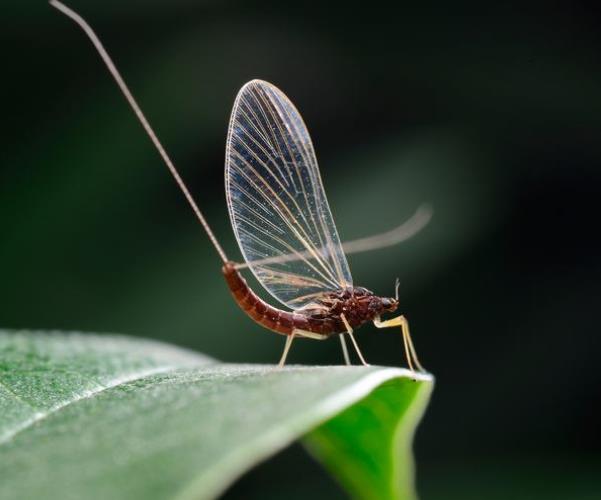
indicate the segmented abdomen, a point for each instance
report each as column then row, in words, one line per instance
column 277, row 320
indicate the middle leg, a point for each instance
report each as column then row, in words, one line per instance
column 347, row 360
column 349, row 330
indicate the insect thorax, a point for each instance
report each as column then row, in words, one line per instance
column 358, row 305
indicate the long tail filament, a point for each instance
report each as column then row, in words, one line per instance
column 134, row 105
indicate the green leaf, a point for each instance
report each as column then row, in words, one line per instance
column 95, row 417
column 368, row 446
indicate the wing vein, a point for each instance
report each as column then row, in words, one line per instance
column 276, row 200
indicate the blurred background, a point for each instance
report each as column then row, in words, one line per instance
column 492, row 115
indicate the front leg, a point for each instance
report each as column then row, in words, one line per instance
column 410, row 353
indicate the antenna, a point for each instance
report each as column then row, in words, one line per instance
column 134, row 105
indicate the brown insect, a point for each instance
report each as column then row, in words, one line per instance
column 283, row 224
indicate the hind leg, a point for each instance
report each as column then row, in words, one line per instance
column 289, row 340
column 297, row 332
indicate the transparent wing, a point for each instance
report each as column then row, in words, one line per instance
column 399, row 234
column 276, row 199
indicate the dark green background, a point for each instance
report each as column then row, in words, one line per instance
column 493, row 115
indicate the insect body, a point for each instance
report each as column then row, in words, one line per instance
column 321, row 319
column 282, row 222
column 284, row 227
column 333, row 313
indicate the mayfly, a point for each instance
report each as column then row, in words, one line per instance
column 283, row 224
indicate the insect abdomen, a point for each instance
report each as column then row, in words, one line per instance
column 279, row 321
column 270, row 317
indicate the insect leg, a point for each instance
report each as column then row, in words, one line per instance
column 410, row 352
column 349, row 330
column 289, row 340
column 347, row 360
column 308, row 334
column 297, row 332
